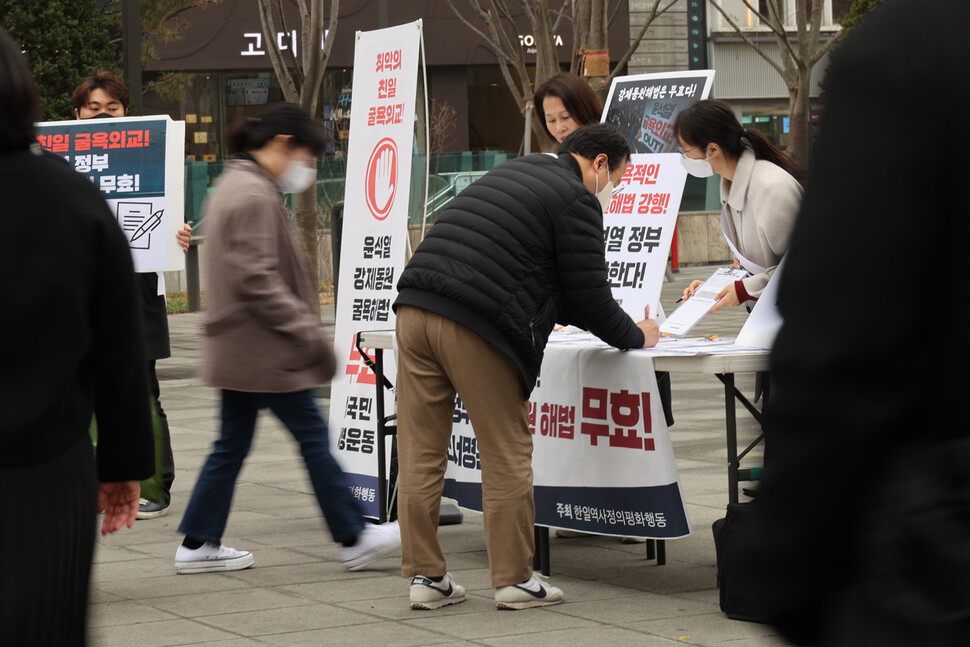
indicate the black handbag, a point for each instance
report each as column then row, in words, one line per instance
column 741, row 597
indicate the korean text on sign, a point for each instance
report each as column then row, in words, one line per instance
column 622, row 419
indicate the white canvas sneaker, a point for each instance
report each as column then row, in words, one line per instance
column 373, row 543
column 531, row 593
column 428, row 594
column 211, row 557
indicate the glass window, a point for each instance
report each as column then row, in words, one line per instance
column 746, row 18
column 494, row 120
column 202, row 112
column 248, row 93
column 740, row 13
column 337, row 96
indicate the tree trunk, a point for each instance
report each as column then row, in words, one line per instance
column 598, row 39
column 799, row 99
column 547, row 64
column 306, row 215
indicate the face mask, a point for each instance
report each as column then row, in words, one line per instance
column 297, row 177
column 697, row 168
column 100, row 115
column 604, row 195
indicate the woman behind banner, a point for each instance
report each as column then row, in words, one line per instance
column 760, row 195
column 264, row 345
column 565, row 102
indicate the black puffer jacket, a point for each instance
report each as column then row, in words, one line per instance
column 516, row 252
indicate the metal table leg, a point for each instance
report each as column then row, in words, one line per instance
column 540, row 560
column 382, row 515
column 731, row 428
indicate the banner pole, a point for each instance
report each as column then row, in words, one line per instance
column 427, row 130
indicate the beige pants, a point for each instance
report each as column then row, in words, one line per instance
column 437, row 358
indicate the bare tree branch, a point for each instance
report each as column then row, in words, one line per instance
column 283, row 71
column 655, row 12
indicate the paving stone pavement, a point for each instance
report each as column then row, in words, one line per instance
column 298, row 592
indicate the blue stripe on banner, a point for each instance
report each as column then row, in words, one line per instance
column 468, row 495
column 364, row 489
column 125, row 159
column 654, row 512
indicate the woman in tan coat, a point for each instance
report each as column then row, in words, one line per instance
column 264, row 344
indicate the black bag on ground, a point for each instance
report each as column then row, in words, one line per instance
column 741, row 597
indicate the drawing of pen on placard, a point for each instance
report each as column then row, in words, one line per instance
column 150, row 224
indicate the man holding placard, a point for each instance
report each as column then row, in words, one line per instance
column 104, row 95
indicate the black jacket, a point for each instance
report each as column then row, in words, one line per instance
column 71, row 332
column 516, row 252
column 155, row 316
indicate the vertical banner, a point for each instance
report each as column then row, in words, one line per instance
column 138, row 163
column 639, row 227
column 374, row 238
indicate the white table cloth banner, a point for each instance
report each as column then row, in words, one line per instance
column 602, row 459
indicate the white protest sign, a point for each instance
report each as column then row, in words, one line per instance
column 639, row 226
column 374, row 238
column 639, row 229
column 644, row 106
column 139, row 165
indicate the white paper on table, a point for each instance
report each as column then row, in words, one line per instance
column 683, row 319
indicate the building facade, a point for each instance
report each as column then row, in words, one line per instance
column 227, row 72
column 223, row 58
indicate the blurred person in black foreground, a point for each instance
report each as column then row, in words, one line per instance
column 867, row 491
column 71, row 341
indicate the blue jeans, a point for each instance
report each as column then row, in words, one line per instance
column 208, row 509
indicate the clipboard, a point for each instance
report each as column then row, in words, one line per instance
column 682, row 320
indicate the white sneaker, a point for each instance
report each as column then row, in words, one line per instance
column 528, row 594
column 428, row 594
column 373, row 543
column 211, row 557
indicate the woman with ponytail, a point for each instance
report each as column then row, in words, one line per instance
column 760, row 192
